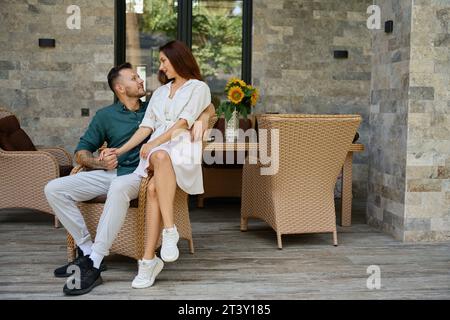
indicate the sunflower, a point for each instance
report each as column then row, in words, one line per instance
column 235, row 95
column 231, row 81
column 235, row 81
column 254, row 97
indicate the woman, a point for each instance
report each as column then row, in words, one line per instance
column 170, row 154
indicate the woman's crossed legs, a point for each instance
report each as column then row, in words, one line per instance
column 159, row 206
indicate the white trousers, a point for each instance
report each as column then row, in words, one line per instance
column 63, row 193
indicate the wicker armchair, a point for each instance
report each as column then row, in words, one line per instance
column 130, row 241
column 24, row 174
column 299, row 198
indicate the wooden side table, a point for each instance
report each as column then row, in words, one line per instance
column 223, row 180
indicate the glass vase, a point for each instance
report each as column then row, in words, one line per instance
column 232, row 127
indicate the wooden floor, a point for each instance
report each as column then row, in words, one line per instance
column 229, row 264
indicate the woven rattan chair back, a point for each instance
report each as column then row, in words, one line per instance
column 299, row 197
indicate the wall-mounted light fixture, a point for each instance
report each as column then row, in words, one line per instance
column 47, row 43
column 85, row 112
column 340, row 54
column 389, row 26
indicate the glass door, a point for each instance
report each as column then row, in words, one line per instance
column 217, row 41
column 149, row 24
column 214, row 28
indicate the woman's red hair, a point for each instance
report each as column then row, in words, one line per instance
column 182, row 60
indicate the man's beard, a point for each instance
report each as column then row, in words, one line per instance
column 135, row 94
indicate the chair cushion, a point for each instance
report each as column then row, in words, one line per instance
column 102, row 199
column 12, row 137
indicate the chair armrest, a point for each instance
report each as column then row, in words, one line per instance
column 211, row 122
column 142, row 197
column 77, row 169
column 28, row 160
column 61, row 155
column 22, row 171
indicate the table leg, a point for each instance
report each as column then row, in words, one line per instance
column 346, row 196
column 200, row 202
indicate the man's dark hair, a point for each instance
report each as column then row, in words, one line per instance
column 114, row 73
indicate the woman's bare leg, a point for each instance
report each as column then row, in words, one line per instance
column 152, row 221
column 166, row 185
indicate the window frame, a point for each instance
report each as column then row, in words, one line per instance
column 184, row 32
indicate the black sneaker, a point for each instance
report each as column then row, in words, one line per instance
column 61, row 272
column 89, row 278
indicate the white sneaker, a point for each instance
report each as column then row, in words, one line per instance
column 147, row 273
column 169, row 249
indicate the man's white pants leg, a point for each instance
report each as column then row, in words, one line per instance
column 63, row 193
column 122, row 190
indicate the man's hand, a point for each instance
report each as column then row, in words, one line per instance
column 106, row 152
column 87, row 159
column 109, row 162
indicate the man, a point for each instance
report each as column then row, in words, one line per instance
column 114, row 125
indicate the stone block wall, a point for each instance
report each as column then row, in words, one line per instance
column 388, row 119
column 409, row 157
column 48, row 87
column 293, row 64
column 427, row 200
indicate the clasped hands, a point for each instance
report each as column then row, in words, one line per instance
column 110, row 155
column 116, row 152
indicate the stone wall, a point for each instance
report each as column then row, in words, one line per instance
column 48, row 87
column 293, row 64
column 427, row 211
column 409, row 147
column 388, row 119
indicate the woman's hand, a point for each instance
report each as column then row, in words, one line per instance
column 146, row 148
column 197, row 130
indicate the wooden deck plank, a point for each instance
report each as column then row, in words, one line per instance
column 229, row 264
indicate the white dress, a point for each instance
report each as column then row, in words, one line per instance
column 162, row 113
